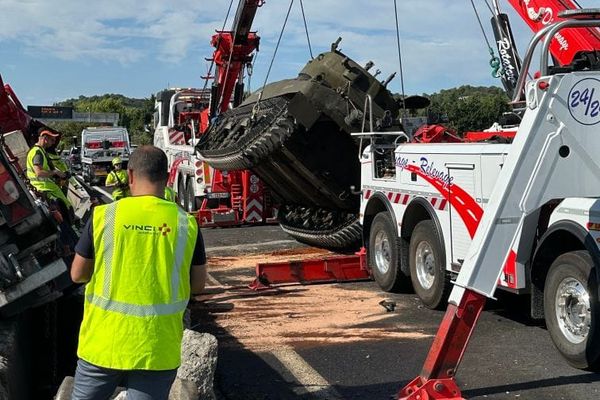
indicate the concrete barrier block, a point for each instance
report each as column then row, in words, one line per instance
column 198, row 362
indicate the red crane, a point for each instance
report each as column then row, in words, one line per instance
column 233, row 54
column 241, row 196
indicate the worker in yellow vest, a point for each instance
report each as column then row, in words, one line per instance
column 141, row 257
column 59, row 164
column 42, row 173
column 117, row 178
column 170, row 194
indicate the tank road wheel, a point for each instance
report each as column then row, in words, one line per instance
column 428, row 266
column 571, row 309
column 181, row 194
column 344, row 237
column 333, row 230
column 384, row 254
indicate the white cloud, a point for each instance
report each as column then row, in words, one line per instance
column 442, row 45
column 110, row 30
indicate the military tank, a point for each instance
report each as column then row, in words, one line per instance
column 295, row 135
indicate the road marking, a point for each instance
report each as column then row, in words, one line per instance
column 212, row 280
column 250, row 245
column 310, row 381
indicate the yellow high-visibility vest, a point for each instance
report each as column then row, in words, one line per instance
column 169, row 194
column 45, row 185
column 140, row 287
column 118, row 177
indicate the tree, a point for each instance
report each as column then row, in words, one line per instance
column 470, row 108
column 134, row 114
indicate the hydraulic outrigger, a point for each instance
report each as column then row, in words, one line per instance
column 554, row 155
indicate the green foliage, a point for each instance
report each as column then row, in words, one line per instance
column 470, row 108
column 134, row 114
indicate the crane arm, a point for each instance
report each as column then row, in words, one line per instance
column 567, row 45
column 233, row 51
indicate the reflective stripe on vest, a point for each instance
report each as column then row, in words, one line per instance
column 30, row 171
column 135, row 309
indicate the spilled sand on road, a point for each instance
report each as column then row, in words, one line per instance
column 293, row 315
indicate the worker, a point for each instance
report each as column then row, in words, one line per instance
column 141, row 257
column 170, row 194
column 42, row 173
column 58, row 163
column 117, row 178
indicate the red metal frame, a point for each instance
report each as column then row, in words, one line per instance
column 572, row 41
column 245, row 200
column 337, row 268
column 436, row 380
column 481, row 136
column 435, row 134
column 13, row 116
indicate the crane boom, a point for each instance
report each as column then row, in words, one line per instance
column 568, row 45
column 233, row 51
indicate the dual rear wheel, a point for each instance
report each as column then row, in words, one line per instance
column 426, row 260
column 186, row 197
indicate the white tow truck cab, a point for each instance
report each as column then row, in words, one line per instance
column 178, row 123
column 99, row 146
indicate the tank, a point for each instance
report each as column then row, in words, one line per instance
column 295, row 134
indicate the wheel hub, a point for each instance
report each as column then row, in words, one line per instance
column 425, row 265
column 382, row 252
column 573, row 311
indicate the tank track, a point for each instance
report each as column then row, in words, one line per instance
column 321, row 228
column 238, row 142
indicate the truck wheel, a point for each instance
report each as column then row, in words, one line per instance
column 571, row 308
column 181, row 194
column 384, row 254
column 190, row 196
column 427, row 264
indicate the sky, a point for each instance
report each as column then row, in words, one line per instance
column 52, row 50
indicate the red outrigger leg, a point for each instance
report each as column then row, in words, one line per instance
column 436, row 380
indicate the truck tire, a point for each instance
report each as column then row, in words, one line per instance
column 181, row 193
column 190, row 196
column 571, row 309
column 427, row 264
column 385, row 254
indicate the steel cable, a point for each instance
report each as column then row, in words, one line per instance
column 212, row 62
column 273, row 58
column 399, row 55
column 306, row 29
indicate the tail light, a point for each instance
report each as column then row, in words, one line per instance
column 9, row 193
column 14, row 204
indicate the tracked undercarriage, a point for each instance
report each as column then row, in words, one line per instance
column 295, row 136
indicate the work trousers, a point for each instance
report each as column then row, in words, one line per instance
column 97, row 383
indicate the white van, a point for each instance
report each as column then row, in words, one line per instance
column 99, row 145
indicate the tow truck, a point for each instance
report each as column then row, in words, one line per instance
column 33, row 255
column 182, row 115
column 459, row 220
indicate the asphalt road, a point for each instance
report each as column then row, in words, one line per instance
column 509, row 357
